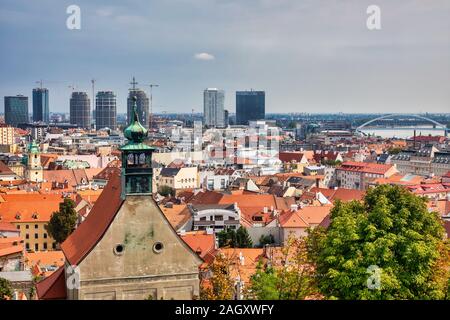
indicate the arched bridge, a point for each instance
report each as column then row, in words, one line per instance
column 386, row 116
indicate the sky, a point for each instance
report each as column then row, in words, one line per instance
column 314, row 56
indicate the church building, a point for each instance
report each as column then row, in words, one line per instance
column 126, row 248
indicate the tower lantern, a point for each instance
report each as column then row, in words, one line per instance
column 136, row 159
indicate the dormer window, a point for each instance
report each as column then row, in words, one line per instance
column 18, row 216
column 35, row 216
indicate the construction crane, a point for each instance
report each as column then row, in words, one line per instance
column 73, row 87
column 151, row 103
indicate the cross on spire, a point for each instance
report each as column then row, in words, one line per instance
column 134, row 83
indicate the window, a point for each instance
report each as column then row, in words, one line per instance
column 45, row 245
column 36, row 236
column 27, row 236
column 27, row 246
column 27, row 227
column 119, row 249
column 18, row 227
column 45, row 236
column 54, row 245
column 36, row 247
column 36, row 226
column 158, row 247
column 218, row 218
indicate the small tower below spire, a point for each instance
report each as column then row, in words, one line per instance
column 136, row 159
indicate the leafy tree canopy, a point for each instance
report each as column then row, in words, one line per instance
column 6, row 290
column 387, row 247
column 63, row 222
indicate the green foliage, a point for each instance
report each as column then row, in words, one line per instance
column 291, row 280
column 235, row 239
column 219, row 285
column 6, row 290
column 393, row 230
column 243, row 238
column 394, row 150
column 266, row 239
column 63, row 222
column 166, row 191
column 333, row 163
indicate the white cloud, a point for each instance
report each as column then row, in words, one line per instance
column 204, row 56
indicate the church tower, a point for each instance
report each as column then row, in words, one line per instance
column 136, row 159
column 34, row 168
column 126, row 248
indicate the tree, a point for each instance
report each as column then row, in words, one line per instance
column 231, row 238
column 387, row 247
column 227, row 238
column 63, row 222
column 266, row 239
column 243, row 238
column 6, row 291
column 394, row 150
column 219, row 285
column 292, row 280
column 166, row 191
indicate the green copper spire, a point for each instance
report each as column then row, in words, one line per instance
column 33, row 147
column 135, row 132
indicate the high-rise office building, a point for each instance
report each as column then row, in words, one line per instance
column 142, row 104
column 80, row 110
column 250, row 105
column 213, row 107
column 16, row 110
column 105, row 110
column 40, row 105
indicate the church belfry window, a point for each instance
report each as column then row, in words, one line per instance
column 136, row 159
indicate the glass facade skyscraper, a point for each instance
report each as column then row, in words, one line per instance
column 80, row 110
column 105, row 110
column 213, row 107
column 40, row 105
column 16, row 110
column 250, row 105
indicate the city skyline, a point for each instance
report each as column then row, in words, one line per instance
column 310, row 56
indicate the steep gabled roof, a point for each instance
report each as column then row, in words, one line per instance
column 89, row 233
column 53, row 287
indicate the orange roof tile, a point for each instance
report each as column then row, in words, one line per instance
column 45, row 258
column 177, row 215
column 32, row 207
column 201, row 243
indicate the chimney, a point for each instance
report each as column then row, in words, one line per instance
column 241, row 259
column 265, row 210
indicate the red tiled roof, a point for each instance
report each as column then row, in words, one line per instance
column 365, row 167
column 292, row 220
column 439, row 139
column 13, row 249
column 5, row 170
column 32, row 207
column 428, row 188
column 290, row 156
column 201, row 243
column 52, row 287
column 86, row 236
column 7, row 226
column 340, row 194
